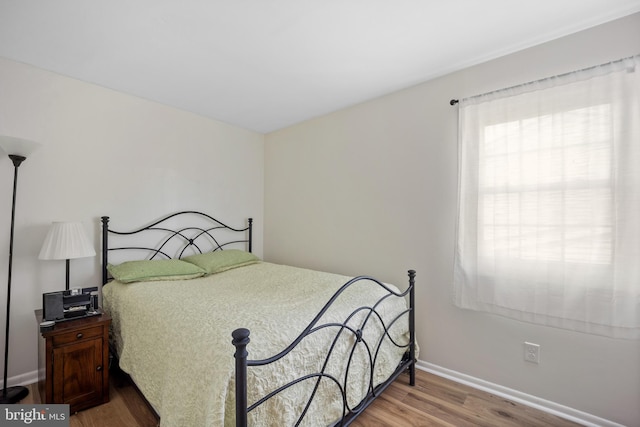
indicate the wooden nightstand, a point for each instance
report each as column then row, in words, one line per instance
column 73, row 362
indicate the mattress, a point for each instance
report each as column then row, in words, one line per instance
column 174, row 339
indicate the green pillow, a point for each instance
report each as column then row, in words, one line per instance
column 218, row 261
column 147, row 270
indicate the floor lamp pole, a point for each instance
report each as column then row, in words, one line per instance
column 17, row 393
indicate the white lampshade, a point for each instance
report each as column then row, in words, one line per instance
column 18, row 146
column 66, row 240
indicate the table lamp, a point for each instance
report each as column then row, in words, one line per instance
column 66, row 240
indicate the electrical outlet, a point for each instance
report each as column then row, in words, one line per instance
column 532, row 352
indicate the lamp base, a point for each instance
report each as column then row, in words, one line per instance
column 13, row 394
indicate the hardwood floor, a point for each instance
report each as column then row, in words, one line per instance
column 434, row 401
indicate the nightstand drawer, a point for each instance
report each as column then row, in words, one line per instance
column 77, row 335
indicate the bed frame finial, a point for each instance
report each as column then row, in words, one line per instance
column 240, row 341
column 250, row 234
column 105, row 246
column 412, row 327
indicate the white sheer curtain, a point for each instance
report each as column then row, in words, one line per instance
column 549, row 201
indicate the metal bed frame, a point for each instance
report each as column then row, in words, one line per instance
column 199, row 239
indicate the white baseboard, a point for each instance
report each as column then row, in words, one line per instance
column 22, row 379
column 519, row 397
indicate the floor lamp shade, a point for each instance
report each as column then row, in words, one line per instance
column 13, row 146
column 66, row 240
column 18, row 150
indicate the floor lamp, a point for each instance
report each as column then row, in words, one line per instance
column 18, row 149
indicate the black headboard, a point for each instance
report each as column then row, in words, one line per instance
column 175, row 235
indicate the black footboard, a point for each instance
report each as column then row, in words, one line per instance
column 241, row 340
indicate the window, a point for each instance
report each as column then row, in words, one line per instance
column 545, row 187
column 549, row 202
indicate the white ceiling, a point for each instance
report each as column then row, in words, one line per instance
column 266, row 64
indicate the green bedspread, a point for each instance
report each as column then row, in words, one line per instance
column 174, row 339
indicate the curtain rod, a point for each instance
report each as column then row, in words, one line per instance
column 455, row 101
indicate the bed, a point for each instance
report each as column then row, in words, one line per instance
column 213, row 336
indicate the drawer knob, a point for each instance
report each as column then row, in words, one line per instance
column 79, row 335
column 99, row 368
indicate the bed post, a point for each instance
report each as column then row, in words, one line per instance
column 412, row 330
column 240, row 341
column 105, row 247
column 250, row 233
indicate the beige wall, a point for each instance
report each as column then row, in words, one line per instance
column 372, row 190
column 106, row 153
